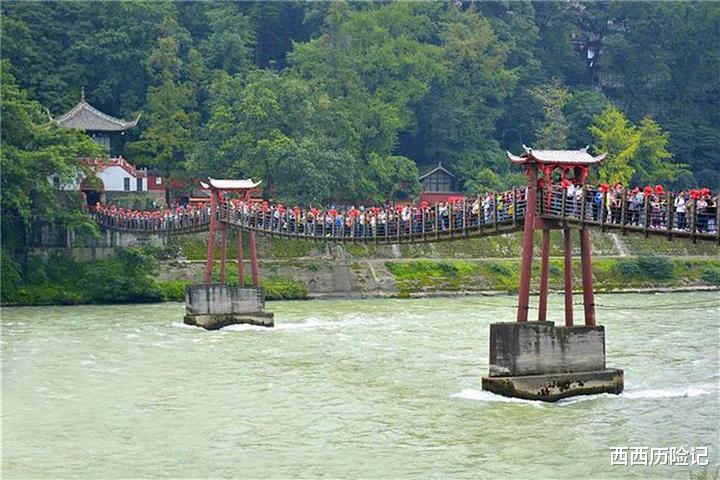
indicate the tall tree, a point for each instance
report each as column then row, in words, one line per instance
column 554, row 130
column 653, row 162
column 617, row 137
column 635, row 153
column 34, row 149
column 171, row 117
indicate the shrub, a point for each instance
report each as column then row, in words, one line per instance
column 499, row 269
column 48, row 295
column 173, row 291
column 447, row 269
column 284, row 288
column 10, row 276
column 656, row 267
column 651, row 267
column 711, row 275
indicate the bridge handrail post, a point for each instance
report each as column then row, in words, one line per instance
column 515, row 207
column 424, row 224
column 717, row 218
column 623, row 210
column 437, row 220
column 451, row 217
column 411, row 224
column 602, row 210
column 367, row 232
column 398, row 224
column 646, row 220
column 496, row 212
column 563, row 203
column 693, row 232
column 583, row 204
column 464, row 217
column 374, row 230
column 670, row 214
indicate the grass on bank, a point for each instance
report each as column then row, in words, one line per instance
column 194, row 247
column 125, row 278
column 609, row 274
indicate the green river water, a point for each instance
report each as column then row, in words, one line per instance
column 366, row 388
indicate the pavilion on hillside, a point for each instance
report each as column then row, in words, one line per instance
column 101, row 127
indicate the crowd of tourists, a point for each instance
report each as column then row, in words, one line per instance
column 160, row 219
column 651, row 207
column 457, row 213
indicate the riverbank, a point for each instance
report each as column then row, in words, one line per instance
column 405, row 278
column 133, row 276
column 294, row 269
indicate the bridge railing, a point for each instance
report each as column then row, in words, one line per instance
column 154, row 222
column 460, row 218
column 653, row 213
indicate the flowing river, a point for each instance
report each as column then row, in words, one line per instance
column 347, row 388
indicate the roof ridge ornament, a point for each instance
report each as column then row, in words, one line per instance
column 82, row 93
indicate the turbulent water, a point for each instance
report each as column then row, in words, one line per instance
column 371, row 388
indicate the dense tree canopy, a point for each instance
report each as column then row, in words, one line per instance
column 348, row 101
column 33, row 149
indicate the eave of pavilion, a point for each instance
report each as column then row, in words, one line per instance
column 84, row 116
column 561, row 158
column 229, row 185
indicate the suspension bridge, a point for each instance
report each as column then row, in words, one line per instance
column 527, row 359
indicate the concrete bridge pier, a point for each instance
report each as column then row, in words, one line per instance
column 216, row 305
column 539, row 361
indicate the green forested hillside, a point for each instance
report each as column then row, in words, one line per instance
column 345, row 101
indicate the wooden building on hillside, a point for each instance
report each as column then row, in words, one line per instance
column 438, row 184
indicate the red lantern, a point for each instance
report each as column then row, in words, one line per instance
column 566, row 183
column 659, row 189
column 604, row 187
column 705, row 192
column 694, row 194
column 648, row 190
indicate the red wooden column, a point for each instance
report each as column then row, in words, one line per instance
column 223, row 252
column 254, row 261
column 527, row 253
column 568, row 278
column 211, row 237
column 241, row 267
column 587, row 280
column 544, row 274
